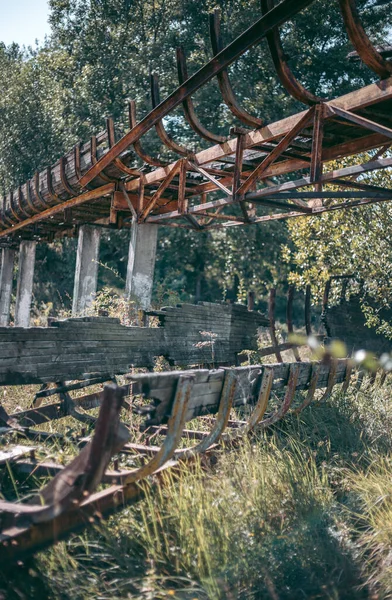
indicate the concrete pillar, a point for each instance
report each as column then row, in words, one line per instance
column 86, row 271
column 24, row 290
column 141, row 264
column 6, row 275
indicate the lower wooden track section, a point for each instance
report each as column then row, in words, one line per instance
column 94, row 484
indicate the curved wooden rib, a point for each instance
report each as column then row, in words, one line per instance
column 117, row 161
column 188, row 106
column 260, row 408
column 223, row 78
column 52, row 194
column 289, row 319
column 78, row 171
column 285, row 74
column 175, row 428
column 315, row 372
column 12, row 208
column 29, row 200
column 222, row 418
column 159, row 127
column 64, row 180
column 271, row 318
column 20, row 206
column 140, row 151
column 359, row 39
column 288, row 398
column 331, row 380
column 94, row 160
column 7, row 221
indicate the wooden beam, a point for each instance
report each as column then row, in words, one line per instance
column 104, row 190
column 372, row 94
column 275, row 153
column 360, row 121
column 289, row 185
column 173, row 172
column 277, row 16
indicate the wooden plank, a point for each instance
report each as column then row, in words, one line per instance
column 15, row 452
column 374, row 93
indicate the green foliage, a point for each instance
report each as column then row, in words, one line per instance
column 302, row 511
column 100, row 53
column 348, row 242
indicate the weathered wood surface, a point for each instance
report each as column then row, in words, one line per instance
column 208, row 386
column 205, row 396
column 75, row 348
column 25, row 526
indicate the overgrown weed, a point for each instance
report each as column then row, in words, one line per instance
column 303, row 510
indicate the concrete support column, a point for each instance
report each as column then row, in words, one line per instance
column 86, row 271
column 6, row 275
column 24, row 290
column 141, row 264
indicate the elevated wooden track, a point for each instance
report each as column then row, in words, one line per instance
column 259, row 173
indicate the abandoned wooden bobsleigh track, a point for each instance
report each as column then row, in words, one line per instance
column 257, row 173
column 71, row 499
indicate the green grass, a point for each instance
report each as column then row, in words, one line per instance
column 301, row 511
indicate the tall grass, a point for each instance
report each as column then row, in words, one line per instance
column 301, row 511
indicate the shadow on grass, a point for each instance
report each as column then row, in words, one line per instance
column 277, row 531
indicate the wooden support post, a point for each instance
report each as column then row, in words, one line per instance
column 24, row 290
column 271, row 317
column 316, row 164
column 251, row 300
column 239, row 156
column 182, row 200
column 6, row 274
column 86, row 271
column 308, row 299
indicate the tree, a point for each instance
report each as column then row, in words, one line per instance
column 101, row 52
column 355, row 242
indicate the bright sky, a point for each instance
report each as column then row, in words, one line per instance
column 23, row 21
